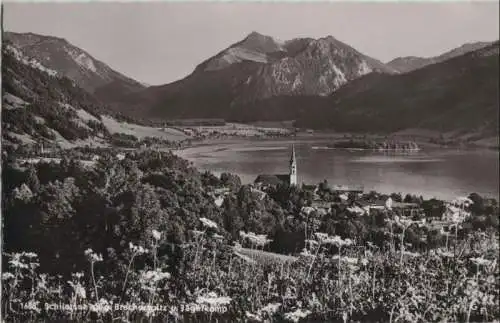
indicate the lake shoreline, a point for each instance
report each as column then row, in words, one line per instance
column 431, row 172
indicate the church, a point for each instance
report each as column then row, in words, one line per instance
column 276, row 179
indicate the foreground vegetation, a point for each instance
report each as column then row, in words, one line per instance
column 142, row 237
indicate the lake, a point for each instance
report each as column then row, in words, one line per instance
column 433, row 172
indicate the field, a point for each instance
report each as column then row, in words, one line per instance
column 140, row 132
column 236, row 130
column 456, row 284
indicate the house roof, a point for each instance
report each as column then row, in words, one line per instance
column 363, row 203
column 346, row 188
column 402, row 205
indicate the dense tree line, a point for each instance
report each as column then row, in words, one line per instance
column 56, row 209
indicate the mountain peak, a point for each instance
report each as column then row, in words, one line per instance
column 259, row 43
column 255, row 34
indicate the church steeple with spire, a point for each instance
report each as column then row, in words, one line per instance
column 264, row 180
column 293, row 168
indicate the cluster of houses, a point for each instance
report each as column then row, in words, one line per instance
column 360, row 206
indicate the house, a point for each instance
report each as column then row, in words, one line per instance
column 319, row 204
column 357, row 210
column 347, row 189
column 407, row 209
column 367, row 206
column 222, row 191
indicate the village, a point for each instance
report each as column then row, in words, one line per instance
column 355, row 202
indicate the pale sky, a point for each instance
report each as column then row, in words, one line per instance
column 158, row 43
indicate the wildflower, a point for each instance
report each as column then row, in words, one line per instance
column 446, row 254
column 212, row 299
column 480, row 261
column 93, row 256
column 321, row 236
column 350, row 260
column 16, row 261
column 154, row 275
column 297, row 315
column 137, row 249
column 156, row 234
column 257, row 239
column 411, row 254
column 337, row 241
column 208, row 223
column 218, row 237
column 252, row 316
column 305, row 253
column 29, row 254
column 78, row 290
column 197, row 233
column 270, row 308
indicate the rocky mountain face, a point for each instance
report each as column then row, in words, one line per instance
column 458, row 97
column 411, row 63
column 256, row 68
column 67, row 60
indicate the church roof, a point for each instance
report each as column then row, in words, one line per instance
column 272, row 179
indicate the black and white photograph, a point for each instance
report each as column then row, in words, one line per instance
column 254, row 161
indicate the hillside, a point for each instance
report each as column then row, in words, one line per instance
column 411, row 63
column 67, row 60
column 256, row 68
column 460, row 94
column 40, row 105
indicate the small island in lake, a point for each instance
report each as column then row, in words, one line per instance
column 376, row 145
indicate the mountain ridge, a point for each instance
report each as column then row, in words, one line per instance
column 72, row 62
column 255, row 68
column 410, row 63
column 321, row 83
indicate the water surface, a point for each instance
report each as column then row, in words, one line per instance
column 441, row 173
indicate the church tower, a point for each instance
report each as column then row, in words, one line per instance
column 293, row 168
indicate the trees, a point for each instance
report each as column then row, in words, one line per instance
column 433, row 208
column 477, row 207
column 231, row 181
